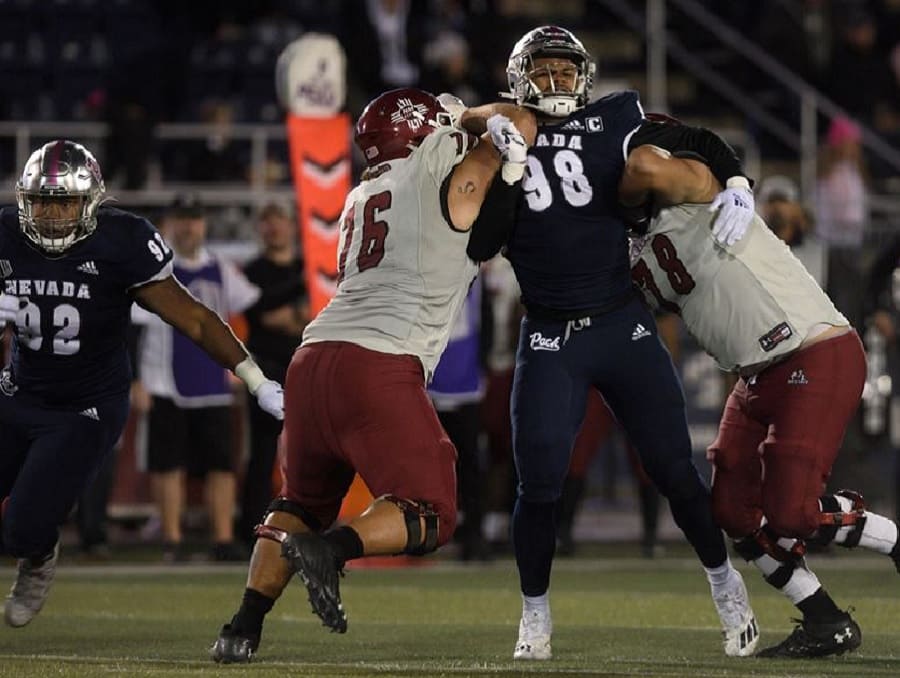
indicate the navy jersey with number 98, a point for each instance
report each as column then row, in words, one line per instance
column 569, row 246
column 70, row 336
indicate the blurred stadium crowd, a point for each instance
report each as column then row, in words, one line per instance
column 136, row 63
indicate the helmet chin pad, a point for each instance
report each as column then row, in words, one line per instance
column 555, row 105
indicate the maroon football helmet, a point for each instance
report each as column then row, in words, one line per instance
column 393, row 124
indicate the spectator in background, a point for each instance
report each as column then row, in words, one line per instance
column 842, row 213
column 189, row 425
column 456, row 390
column 275, row 323
column 448, row 68
column 859, row 77
column 780, row 207
column 217, row 157
column 384, row 40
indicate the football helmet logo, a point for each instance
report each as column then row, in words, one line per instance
column 394, row 124
column 549, row 41
column 58, row 195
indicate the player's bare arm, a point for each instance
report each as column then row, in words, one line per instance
column 168, row 299
column 652, row 172
column 475, row 119
column 469, row 183
column 471, row 179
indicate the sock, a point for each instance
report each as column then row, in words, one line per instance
column 820, row 607
column 254, row 607
column 719, row 576
column 539, row 604
column 800, row 583
column 879, row 533
column 346, row 544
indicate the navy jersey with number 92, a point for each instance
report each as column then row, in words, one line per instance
column 70, row 335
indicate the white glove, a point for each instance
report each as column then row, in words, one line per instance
column 512, row 147
column 453, row 105
column 9, row 308
column 270, row 397
column 737, row 210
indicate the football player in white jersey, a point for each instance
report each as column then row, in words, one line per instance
column 428, row 210
column 755, row 309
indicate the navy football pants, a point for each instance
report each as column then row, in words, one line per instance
column 47, row 458
column 620, row 354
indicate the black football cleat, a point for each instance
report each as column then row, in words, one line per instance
column 817, row 639
column 313, row 559
column 234, row 647
column 895, row 555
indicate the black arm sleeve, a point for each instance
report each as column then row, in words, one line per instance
column 722, row 159
column 494, row 223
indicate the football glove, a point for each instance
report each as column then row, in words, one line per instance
column 270, row 397
column 9, row 308
column 736, row 211
column 512, row 147
column 453, row 105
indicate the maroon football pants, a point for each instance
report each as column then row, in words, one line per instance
column 349, row 409
column 779, row 436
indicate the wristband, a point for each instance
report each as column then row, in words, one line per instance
column 249, row 373
column 738, row 182
column 511, row 172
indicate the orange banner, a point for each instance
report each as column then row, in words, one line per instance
column 320, row 159
column 320, row 163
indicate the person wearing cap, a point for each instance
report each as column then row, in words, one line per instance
column 189, row 419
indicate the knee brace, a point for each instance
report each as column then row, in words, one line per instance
column 263, row 531
column 413, row 511
column 834, row 518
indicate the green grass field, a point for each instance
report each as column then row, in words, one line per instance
column 612, row 617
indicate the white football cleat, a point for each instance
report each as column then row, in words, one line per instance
column 30, row 590
column 739, row 627
column 535, row 629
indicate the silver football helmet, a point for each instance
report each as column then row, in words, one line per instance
column 62, row 180
column 549, row 41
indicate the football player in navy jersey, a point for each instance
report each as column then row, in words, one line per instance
column 70, row 270
column 586, row 328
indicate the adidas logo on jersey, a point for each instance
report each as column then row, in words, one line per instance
column 639, row 332
column 88, row 267
column 90, row 413
column 798, row 378
column 574, row 124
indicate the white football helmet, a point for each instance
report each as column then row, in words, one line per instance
column 549, row 41
column 60, row 170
